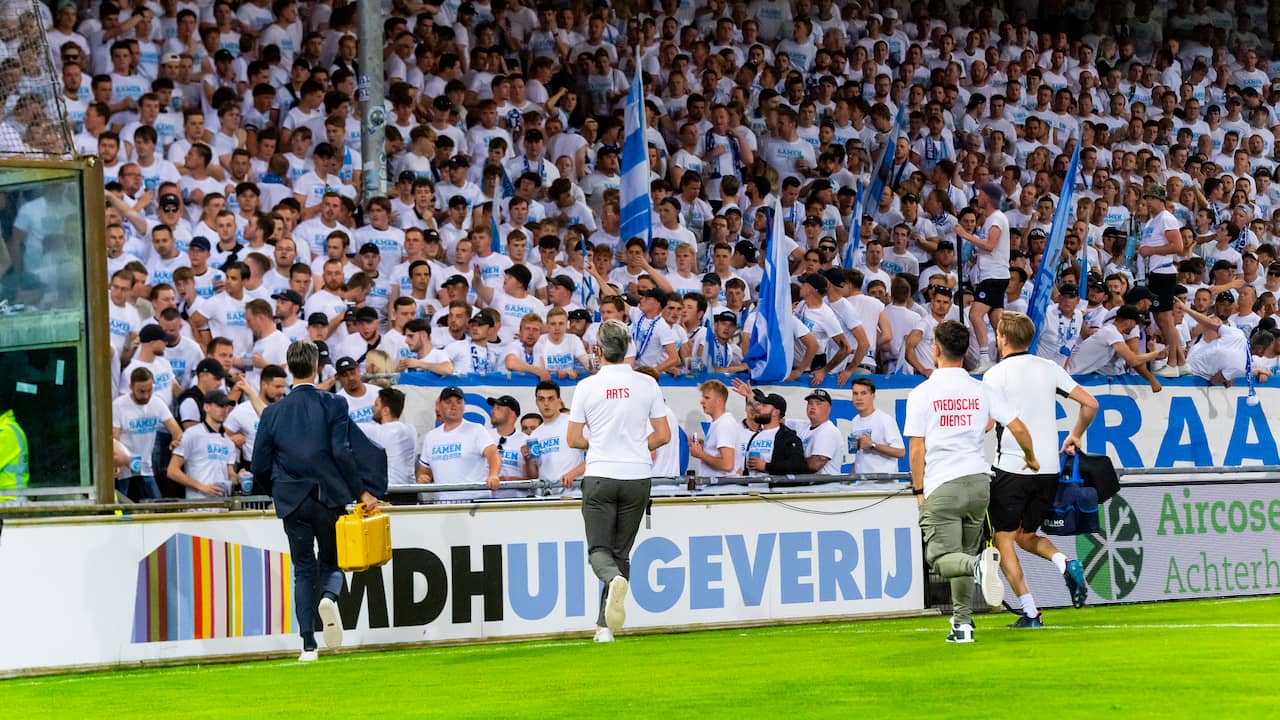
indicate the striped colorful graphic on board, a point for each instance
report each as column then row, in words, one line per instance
column 195, row 588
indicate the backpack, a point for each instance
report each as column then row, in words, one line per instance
column 788, row 453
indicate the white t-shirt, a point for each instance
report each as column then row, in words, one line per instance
column 124, row 320
column 722, row 433
column 650, row 338
column 513, row 310
column 555, row 457
column 616, row 405
column 457, row 456
column 398, row 439
column 759, row 445
column 666, row 460
column 1059, row 333
column 161, row 375
column 360, row 409
column 512, row 460
column 558, row 356
column 883, row 430
column 994, row 265
column 824, row 440
column 207, row 456
column 1153, row 235
column 226, row 319
column 243, row 419
column 1095, row 352
column 138, row 425
column 823, row 324
column 950, row 411
column 1030, row 384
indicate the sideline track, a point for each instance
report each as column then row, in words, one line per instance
column 1201, row 659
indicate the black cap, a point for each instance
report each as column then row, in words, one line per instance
column 211, row 366
column 151, row 333
column 505, row 401
column 711, row 279
column 406, row 176
column 813, row 220
column 345, row 364
column 565, row 282
column 819, row 394
column 1069, row 289
column 442, row 102
column 323, row 347
column 370, row 248
column 481, row 318
column 317, row 318
column 431, row 235
column 654, row 294
column 726, row 316
column 453, row 391
column 834, row 276
column 170, row 200
column 366, row 314
column 533, row 135
column 200, row 242
column 1036, row 233
column 459, row 161
column 521, row 274
column 218, row 397
column 1128, row 312
column 1225, row 297
column 816, row 281
column 289, row 296
column 773, row 399
column 455, row 280
column 1224, row 265
column 945, row 245
column 580, row 314
column 1138, row 294
column 349, row 315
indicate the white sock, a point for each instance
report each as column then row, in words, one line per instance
column 1060, row 561
column 1028, row 605
column 984, row 353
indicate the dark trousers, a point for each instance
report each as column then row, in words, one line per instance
column 307, row 527
column 612, row 510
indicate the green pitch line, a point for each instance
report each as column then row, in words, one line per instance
column 1203, row 660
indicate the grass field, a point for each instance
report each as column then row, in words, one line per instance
column 1207, row 659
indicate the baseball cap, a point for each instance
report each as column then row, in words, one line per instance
column 1155, row 191
column 366, row 314
column 317, row 318
column 773, row 399
column 170, row 58
column 323, row 348
column 505, row 401
column 1128, row 312
column 565, row 282
column 151, row 333
column 580, row 314
column 370, row 248
column 217, row 397
column 1138, row 294
column 819, row 394
column 459, row 161
column 406, row 176
column 345, row 364
column 945, row 245
column 816, row 281
column 1036, row 233
column 1225, row 297
column 711, row 279
column 211, row 366
column 455, row 280
column 442, row 102
column 169, row 200
column 1224, row 265
column 726, row 316
column 431, row 235
column 813, row 220
column 199, row 242
column 481, row 318
column 910, row 198
column 834, row 276
column 521, row 274
column 291, row 296
column 1069, row 289
column 453, row 391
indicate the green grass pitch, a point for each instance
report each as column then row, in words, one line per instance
column 1205, row 660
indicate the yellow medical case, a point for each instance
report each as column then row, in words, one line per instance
column 364, row 539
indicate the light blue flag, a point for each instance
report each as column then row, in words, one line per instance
column 498, row 245
column 1084, row 272
column 854, row 244
column 880, row 175
column 1047, row 274
column 771, row 350
column 636, row 205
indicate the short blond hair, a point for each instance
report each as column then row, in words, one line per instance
column 1017, row 329
column 714, row 387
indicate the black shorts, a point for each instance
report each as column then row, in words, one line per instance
column 1162, row 286
column 991, row 292
column 1020, row 501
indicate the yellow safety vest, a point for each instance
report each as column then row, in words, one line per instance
column 15, row 468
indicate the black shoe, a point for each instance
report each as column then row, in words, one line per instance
column 1076, row 585
column 1027, row 621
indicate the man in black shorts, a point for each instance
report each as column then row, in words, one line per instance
column 992, row 243
column 1020, row 499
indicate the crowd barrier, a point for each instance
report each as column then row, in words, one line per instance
column 1187, row 424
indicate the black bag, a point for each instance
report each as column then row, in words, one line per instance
column 1075, row 507
column 788, row 453
column 1099, row 473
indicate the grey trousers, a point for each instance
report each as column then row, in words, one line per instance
column 951, row 520
column 612, row 510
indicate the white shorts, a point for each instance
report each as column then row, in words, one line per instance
column 1225, row 355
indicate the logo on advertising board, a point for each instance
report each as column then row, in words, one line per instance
column 1112, row 558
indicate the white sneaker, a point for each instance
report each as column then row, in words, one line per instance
column 984, row 364
column 309, row 656
column 1169, row 371
column 615, row 612
column 986, row 571
column 603, row 635
column 1184, row 370
column 328, row 610
column 962, row 633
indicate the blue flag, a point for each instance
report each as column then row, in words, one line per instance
column 498, row 245
column 1047, row 274
column 854, row 243
column 771, row 350
column 1084, row 272
column 884, row 168
column 636, row 205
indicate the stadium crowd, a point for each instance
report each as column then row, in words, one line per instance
column 230, row 135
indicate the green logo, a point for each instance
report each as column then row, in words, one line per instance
column 1112, row 558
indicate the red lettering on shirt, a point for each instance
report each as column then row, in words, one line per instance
column 971, row 404
column 955, row 420
column 617, row 393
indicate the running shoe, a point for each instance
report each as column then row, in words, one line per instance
column 615, row 612
column 960, row 633
column 986, row 572
column 1026, row 621
column 1076, row 585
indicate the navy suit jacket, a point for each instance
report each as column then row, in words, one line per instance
column 305, row 444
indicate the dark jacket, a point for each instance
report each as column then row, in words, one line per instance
column 305, row 443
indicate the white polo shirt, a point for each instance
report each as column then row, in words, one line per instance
column 1031, row 385
column 457, row 456
column 950, row 410
column 883, row 430
column 616, row 404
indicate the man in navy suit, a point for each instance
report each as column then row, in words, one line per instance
column 304, row 457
